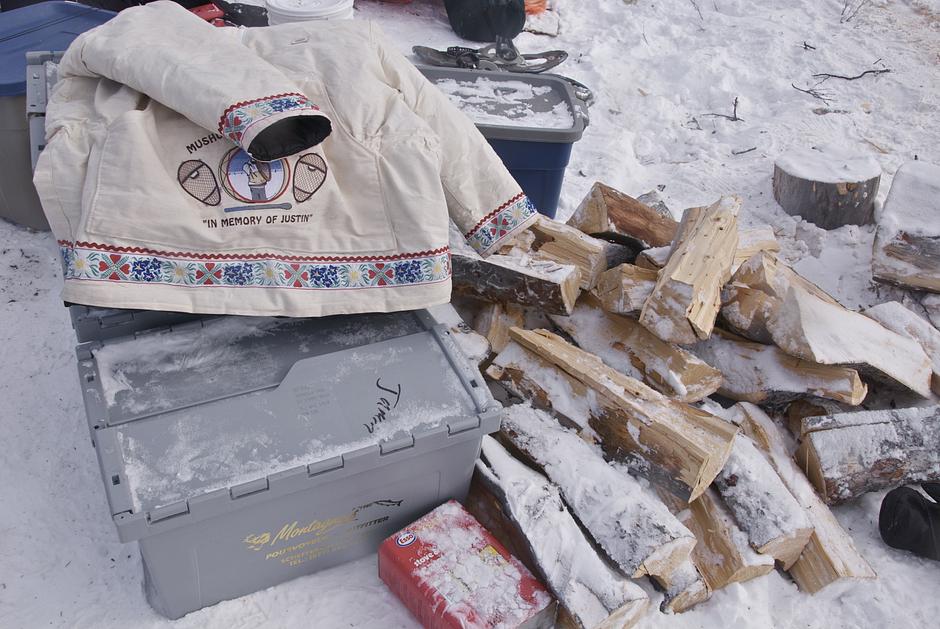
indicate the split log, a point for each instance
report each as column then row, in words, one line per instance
column 494, row 321
column 848, row 454
column 653, row 259
column 765, row 272
column 765, row 375
column 625, row 288
column 628, row 521
column 830, row 555
column 676, row 444
column 686, row 589
column 527, row 281
column 762, row 505
column 609, row 212
column 631, row 349
column 750, row 242
column 813, row 329
column 907, row 243
column 826, row 186
column 746, row 310
column 523, row 503
column 722, row 555
column 753, row 241
column 894, row 316
column 687, row 296
column 566, row 245
column 931, row 304
column 519, row 244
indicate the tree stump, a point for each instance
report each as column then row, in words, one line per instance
column 827, row 186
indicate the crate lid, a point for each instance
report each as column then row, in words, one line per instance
column 43, row 26
column 514, row 106
column 220, row 403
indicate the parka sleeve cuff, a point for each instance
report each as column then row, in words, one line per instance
column 502, row 224
column 272, row 127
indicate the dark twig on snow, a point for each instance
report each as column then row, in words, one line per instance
column 826, row 76
column 753, row 148
column 813, row 92
column 695, row 4
column 734, row 113
column 808, row 47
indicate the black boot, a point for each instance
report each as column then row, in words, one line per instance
column 910, row 521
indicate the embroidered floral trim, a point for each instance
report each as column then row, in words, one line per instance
column 500, row 223
column 87, row 261
column 238, row 117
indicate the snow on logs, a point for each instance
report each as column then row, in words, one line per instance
column 907, row 243
column 762, row 505
column 848, row 454
column 625, row 288
column 628, row 521
column 829, row 555
column 685, row 301
column 628, row 347
column 827, row 186
column 757, row 373
column 525, row 512
column 677, row 445
column 894, row 316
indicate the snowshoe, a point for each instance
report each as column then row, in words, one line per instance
column 501, row 56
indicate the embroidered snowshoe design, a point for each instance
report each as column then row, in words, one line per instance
column 309, row 176
column 198, row 180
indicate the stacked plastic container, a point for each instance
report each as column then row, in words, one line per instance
column 286, row 11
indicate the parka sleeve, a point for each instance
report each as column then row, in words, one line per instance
column 204, row 73
column 483, row 199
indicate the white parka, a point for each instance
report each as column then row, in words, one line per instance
column 186, row 169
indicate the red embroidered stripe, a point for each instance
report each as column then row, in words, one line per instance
column 249, row 256
column 489, row 216
column 257, row 100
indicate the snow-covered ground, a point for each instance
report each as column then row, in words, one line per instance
column 658, row 68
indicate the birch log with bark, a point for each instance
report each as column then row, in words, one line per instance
column 848, row 454
column 764, row 374
column 592, row 594
column 685, row 302
column 762, row 505
column 723, row 554
column 830, row 555
column 907, row 243
column 628, row 521
column 678, row 444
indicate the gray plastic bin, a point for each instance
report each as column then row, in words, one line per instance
column 92, row 323
column 241, row 452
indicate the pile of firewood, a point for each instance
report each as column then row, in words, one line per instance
column 651, row 369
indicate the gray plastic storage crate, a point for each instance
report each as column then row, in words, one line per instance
column 241, row 452
column 92, row 323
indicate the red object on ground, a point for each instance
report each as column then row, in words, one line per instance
column 533, row 7
column 451, row 573
column 208, row 12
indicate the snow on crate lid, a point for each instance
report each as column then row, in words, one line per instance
column 514, row 107
column 238, row 399
column 40, row 27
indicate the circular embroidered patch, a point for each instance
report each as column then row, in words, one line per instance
column 251, row 181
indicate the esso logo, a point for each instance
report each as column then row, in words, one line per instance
column 406, row 539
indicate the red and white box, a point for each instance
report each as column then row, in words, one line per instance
column 451, row 572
